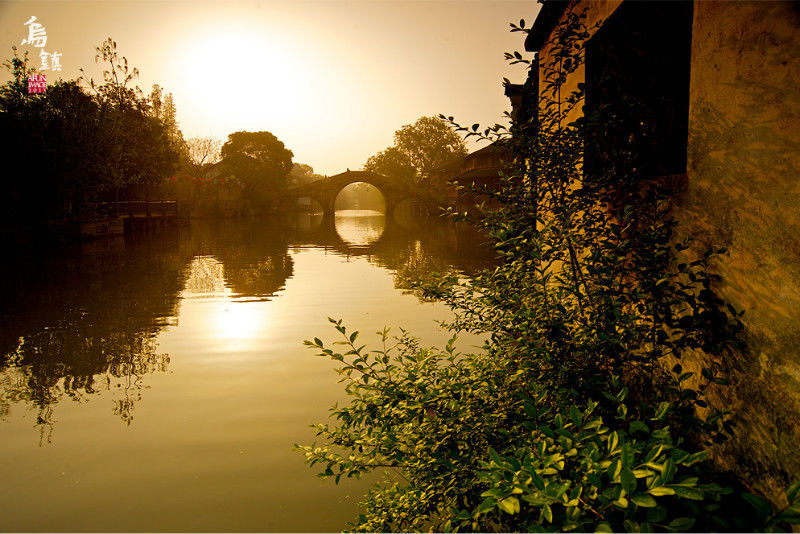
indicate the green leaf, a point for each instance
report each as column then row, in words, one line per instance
column 614, row 470
column 790, row 515
column 793, row 492
column 669, row 470
column 575, row 415
column 697, row 457
column 661, row 491
column 495, row 456
column 627, row 456
column 662, row 410
column 688, row 493
column 547, row 513
column 656, row 515
column 628, row 480
column 643, row 500
column 509, row 505
column 487, row 504
column 638, row 426
column 603, row 526
column 537, row 480
column 613, row 439
column 762, row 505
column 681, row 524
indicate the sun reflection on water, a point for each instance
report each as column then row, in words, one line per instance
column 238, row 320
column 235, row 322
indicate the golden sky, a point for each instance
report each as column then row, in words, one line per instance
column 332, row 79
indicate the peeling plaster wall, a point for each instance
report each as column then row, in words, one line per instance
column 744, row 194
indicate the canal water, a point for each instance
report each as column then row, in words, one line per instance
column 158, row 383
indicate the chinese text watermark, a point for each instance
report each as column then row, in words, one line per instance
column 37, row 37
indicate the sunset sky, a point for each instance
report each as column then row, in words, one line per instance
column 332, row 79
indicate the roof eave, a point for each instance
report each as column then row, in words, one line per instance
column 545, row 22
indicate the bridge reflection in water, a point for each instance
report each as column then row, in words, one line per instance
column 389, row 241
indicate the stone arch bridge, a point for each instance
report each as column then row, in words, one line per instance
column 394, row 191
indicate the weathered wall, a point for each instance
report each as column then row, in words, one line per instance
column 744, row 194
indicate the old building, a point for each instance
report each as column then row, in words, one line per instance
column 722, row 78
column 477, row 171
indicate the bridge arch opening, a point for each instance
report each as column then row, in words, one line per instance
column 360, row 197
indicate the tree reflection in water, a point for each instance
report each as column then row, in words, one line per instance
column 82, row 321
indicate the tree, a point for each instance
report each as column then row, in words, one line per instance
column 302, row 173
column 56, row 135
column 392, row 162
column 76, row 143
column 418, row 148
column 429, row 143
column 74, row 133
column 259, row 159
column 14, row 92
column 139, row 147
column 162, row 107
column 21, row 136
column 117, row 77
column 203, row 151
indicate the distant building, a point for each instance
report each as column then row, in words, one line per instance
column 724, row 82
column 479, row 169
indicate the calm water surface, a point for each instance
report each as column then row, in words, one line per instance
column 159, row 383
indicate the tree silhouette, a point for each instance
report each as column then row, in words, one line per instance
column 392, row 162
column 418, row 148
column 259, row 160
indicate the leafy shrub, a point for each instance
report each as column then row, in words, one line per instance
column 468, row 443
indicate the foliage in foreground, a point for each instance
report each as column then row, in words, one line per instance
column 577, row 415
column 471, row 443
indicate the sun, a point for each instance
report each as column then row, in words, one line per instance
column 241, row 76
